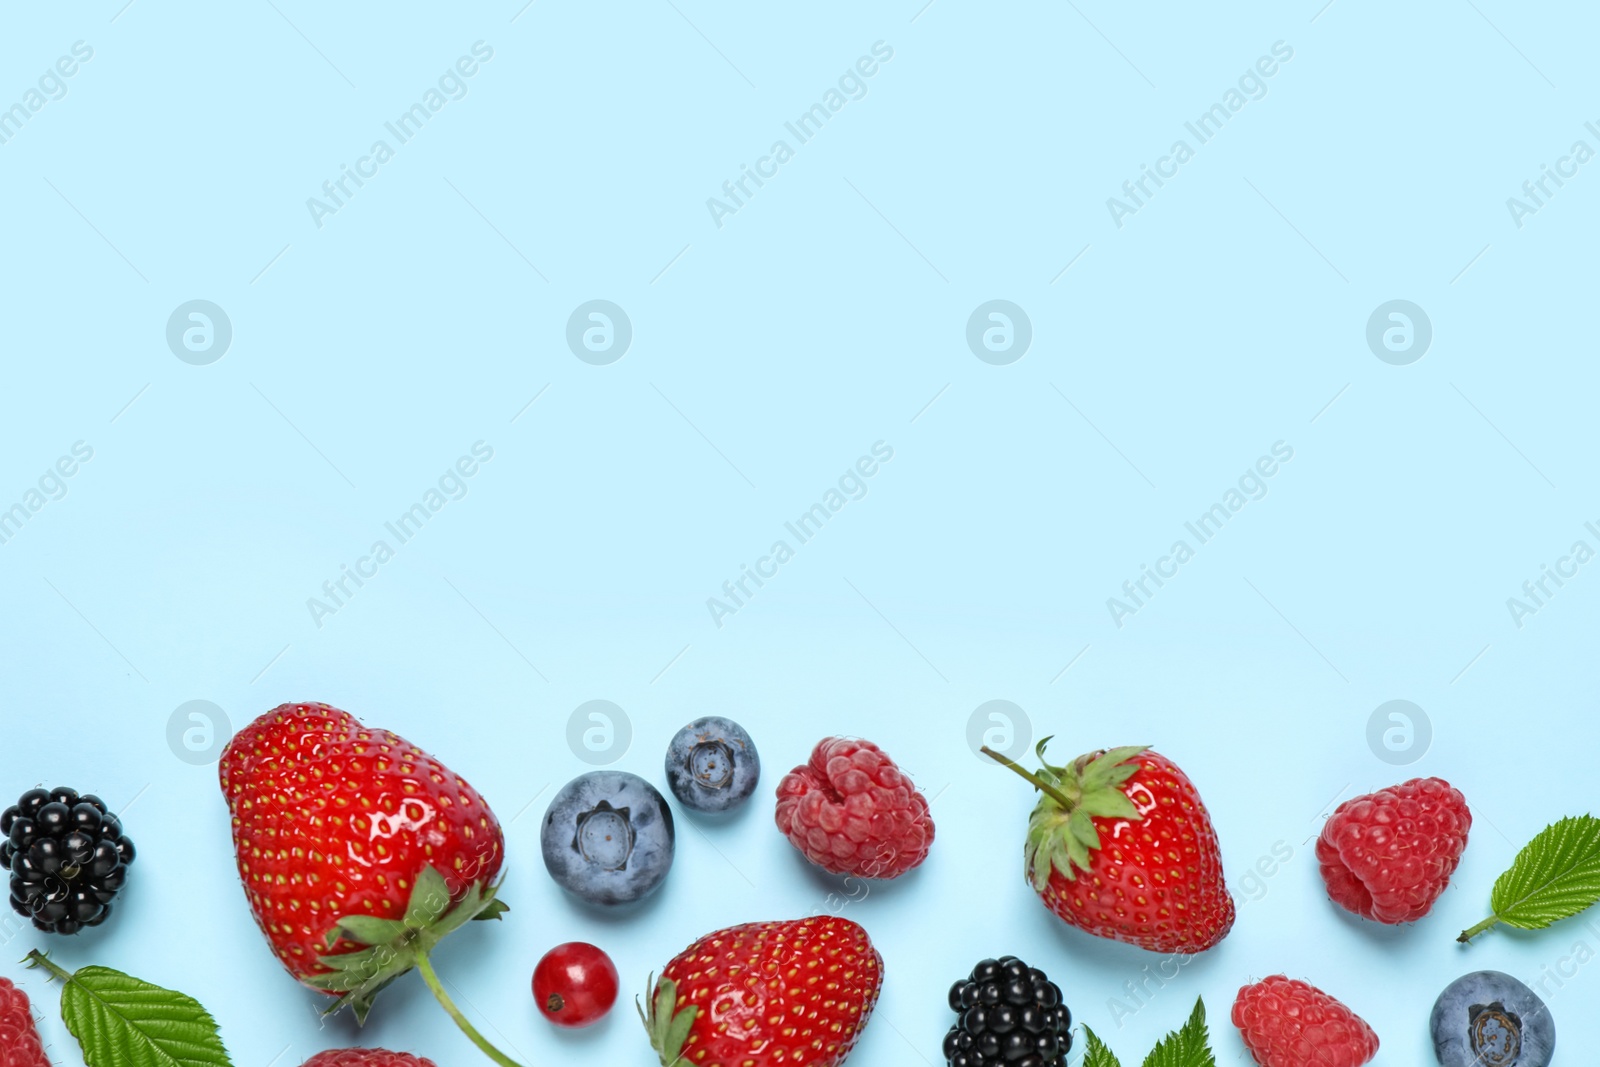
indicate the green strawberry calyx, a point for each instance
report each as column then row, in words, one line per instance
column 668, row 1027
column 391, row 947
column 1061, row 830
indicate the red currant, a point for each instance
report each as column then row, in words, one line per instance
column 575, row 984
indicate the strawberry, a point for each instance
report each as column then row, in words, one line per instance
column 1121, row 847
column 358, row 851
column 778, row 994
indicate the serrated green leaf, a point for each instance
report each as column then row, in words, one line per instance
column 1097, row 1054
column 122, row 1021
column 1554, row 877
column 1187, row 1047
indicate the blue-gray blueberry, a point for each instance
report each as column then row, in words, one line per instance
column 712, row 765
column 608, row 837
column 1489, row 1019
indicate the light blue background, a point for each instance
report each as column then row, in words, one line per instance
column 828, row 314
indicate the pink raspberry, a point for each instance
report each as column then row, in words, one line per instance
column 19, row 1038
column 1287, row 1023
column 1389, row 855
column 365, row 1057
column 852, row 811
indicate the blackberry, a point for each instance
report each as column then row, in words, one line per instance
column 67, row 856
column 1010, row 1014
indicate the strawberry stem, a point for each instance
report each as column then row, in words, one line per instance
column 1038, row 783
column 1468, row 935
column 425, row 968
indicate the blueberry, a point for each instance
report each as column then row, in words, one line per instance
column 1489, row 1019
column 712, row 765
column 608, row 837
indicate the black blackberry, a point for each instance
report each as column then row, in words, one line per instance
column 67, row 856
column 1010, row 1014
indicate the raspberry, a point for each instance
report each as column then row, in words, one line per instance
column 1287, row 1023
column 365, row 1057
column 1389, row 855
column 19, row 1038
column 851, row 811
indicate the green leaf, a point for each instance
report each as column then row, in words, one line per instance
column 1554, row 877
column 1188, row 1047
column 125, row 1022
column 430, row 899
column 1113, row 768
column 1082, row 829
column 1097, row 1055
column 1108, row 804
column 366, row 930
column 492, row 911
column 678, row 1032
column 668, row 1032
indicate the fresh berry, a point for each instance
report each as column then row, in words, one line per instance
column 1287, row 1023
column 852, row 811
column 779, row 994
column 68, row 857
column 1121, row 846
column 20, row 1045
column 608, row 837
column 1489, row 1019
column 1388, row 855
column 1010, row 1014
column 365, row 1057
column 712, row 765
column 342, row 831
column 575, row 984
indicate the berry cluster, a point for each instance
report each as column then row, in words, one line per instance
column 67, row 856
column 1010, row 1014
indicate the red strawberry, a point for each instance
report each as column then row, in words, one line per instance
column 1389, row 855
column 358, row 851
column 852, row 811
column 365, row 1057
column 19, row 1038
column 1287, row 1023
column 1120, row 846
column 783, row 994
